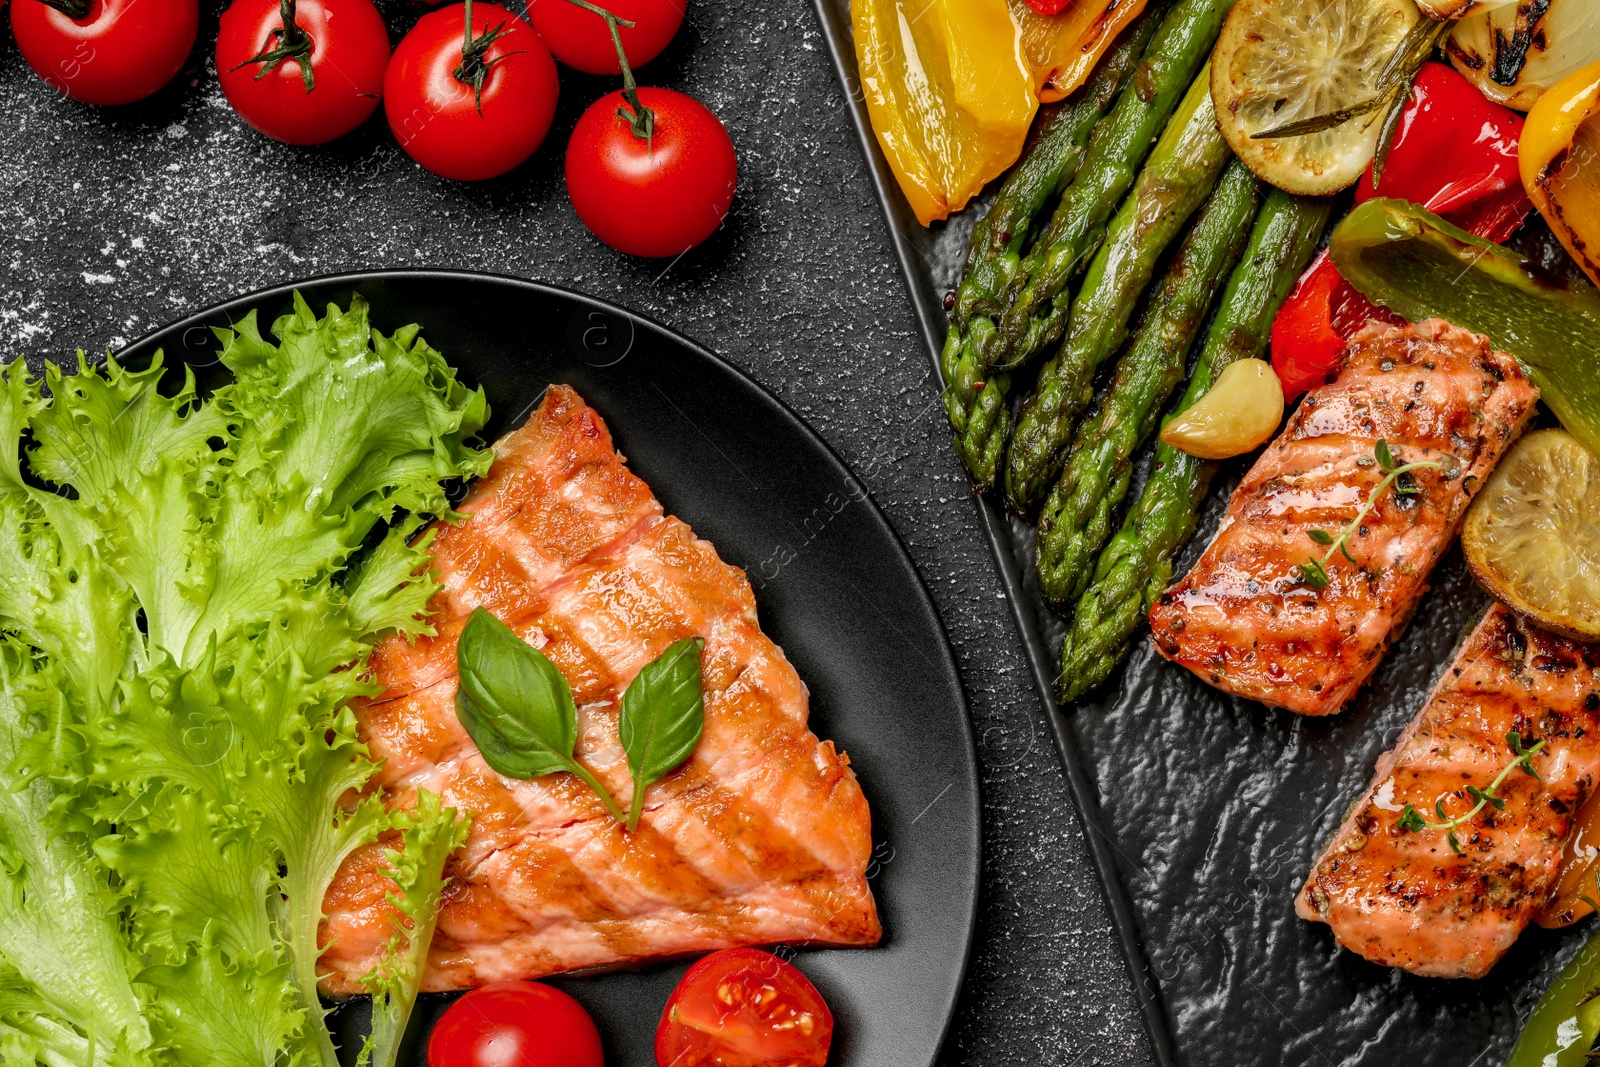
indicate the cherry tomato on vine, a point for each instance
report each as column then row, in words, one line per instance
column 656, row 192
column 580, row 38
column 744, row 1008
column 302, row 71
column 521, row 1023
column 489, row 117
column 105, row 51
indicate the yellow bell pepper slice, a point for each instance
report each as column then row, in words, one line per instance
column 992, row 80
column 944, row 92
column 952, row 86
column 1062, row 49
column 1559, row 157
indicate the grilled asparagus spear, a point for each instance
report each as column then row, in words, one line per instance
column 1137, row 564
column 975, row 401
column 976, row 405
column 997, row 240
column 1076, row 520
column 1036, row 302
column 1180, row 174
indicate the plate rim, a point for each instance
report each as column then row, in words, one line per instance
column 147, row 344
column 931, row 322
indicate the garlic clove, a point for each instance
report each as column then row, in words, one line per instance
column 1240, row 412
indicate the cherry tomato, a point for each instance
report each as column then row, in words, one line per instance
column 439, row 119
column 343, row 42
column 652, row 197
column 117, row 52
column 744, row 1008
column 581, row 39
column 515, row 1024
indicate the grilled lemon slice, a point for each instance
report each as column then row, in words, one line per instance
column 1532, row 538
column 1284, row 61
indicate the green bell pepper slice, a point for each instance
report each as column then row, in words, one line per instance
column 1562, row 1029
column 1400, row 255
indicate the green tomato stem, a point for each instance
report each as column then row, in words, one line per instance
column 73, row 9
column 292, row 43
column 474, row 68
column 641, row 120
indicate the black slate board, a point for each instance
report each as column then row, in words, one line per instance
column 850, row 612
column 1204, row 812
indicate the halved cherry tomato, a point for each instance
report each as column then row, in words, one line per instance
column 581, row 39
column 489, row 119
column 657, row 195
column 302, row 71
column 515, row 1024
column 114, row 52
column 744, row 1008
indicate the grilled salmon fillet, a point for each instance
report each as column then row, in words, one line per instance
column 1243, row 618
column 763, row 836
column 1404, row 898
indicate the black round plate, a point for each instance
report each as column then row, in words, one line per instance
column 833, row 585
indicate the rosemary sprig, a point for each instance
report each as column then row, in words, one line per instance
column 1393, row 90
column 1314, row 572
column 1412, row 821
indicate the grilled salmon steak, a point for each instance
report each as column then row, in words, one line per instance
column 1245, row 618
column 763, row 836
column 1404, row 897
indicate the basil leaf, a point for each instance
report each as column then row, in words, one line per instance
column 520, row 712
column 517, row 707
column 497, row 751
column 663, row 714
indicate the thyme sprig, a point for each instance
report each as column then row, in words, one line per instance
column 1314, row 572
column 1412, row 820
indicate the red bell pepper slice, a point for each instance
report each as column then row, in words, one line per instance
column 1455, row 152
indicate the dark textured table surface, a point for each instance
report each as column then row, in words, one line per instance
column 113, row 222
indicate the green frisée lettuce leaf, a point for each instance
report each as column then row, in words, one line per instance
column 430, row 833
column 190, row 586
column 62, row 963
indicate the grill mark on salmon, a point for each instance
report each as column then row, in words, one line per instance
column 763, row 836
column 1243, row 620
column 1405, row 899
